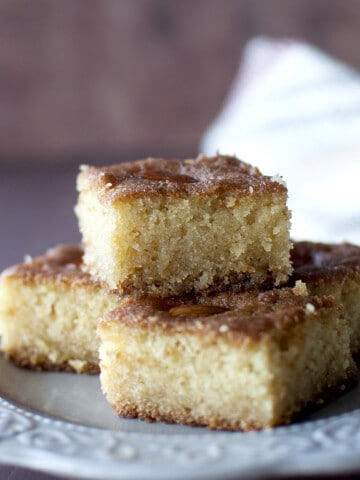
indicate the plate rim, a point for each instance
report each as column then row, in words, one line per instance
column 35, row 440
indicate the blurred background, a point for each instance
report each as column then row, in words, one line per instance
column 97, row 82
column 106, row 81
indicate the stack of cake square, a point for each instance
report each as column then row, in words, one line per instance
column 187, row 277
column 205, row 336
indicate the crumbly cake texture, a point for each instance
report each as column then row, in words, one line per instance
column 167, row 227
column 332, row 269
column 237, row 362
column 49, row 310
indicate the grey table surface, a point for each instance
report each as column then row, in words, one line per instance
column 36, row 211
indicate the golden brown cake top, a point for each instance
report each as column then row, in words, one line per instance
column 326, row 262
column 245, row 315
column 154, row 176
column 61, row 263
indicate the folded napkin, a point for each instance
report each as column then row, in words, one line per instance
column 295, row 111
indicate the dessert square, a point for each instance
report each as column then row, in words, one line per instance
column 49, row 310
column 236, row 361
column 332, row 269
column 168, row 227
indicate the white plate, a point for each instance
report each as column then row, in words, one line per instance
column 61, row 424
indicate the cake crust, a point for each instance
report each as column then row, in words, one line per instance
column 332, row 269
column 23, row 359
column 166, row 227
column 228, row 361
column 49, row 310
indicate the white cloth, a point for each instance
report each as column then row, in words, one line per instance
column 295, row 111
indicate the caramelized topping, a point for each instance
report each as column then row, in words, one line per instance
column 201, row 176
column 61, row 263
column 163, row 175
column 253, row 315
column 108, row 178
column 195, row 311
column 325, row 262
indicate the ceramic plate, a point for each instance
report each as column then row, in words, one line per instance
column 61, row 423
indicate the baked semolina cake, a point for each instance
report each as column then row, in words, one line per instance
column 49, row 310
column 332, row 269
column 168, row 227
column 245, row 361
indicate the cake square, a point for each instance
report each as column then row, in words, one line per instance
column 49, row 310
column 236, row 361
column 168, row 227
column 332, row 269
